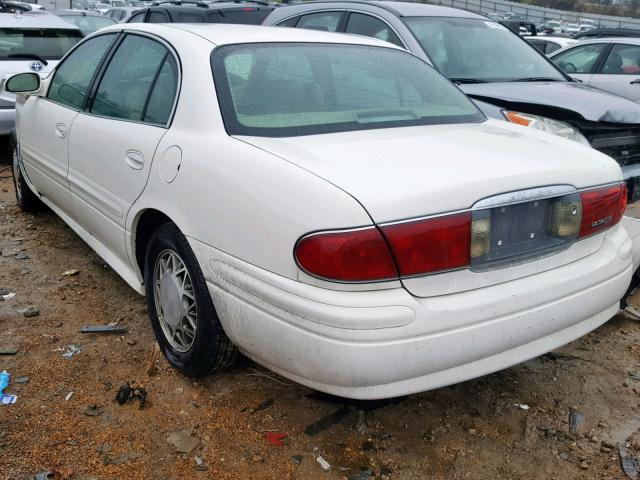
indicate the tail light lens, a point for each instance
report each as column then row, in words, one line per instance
column 348, row 256
column 431, row 245
column 455, row 241
column 602, row 209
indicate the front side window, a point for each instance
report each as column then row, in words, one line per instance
column 129, row 78
column 474, row 50
column 324, row 21
column 48, row 43
column 623, row 59
column 580, row 59
column 368, row 26
column 71, row 80
column 294, row 89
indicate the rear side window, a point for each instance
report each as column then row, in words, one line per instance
column 137, row 18
column 291, row 22
column 129, row 79
column 72, row 78
column 163, row 94
column 48, row 43
column 276, row 90
column 369, row 26
column 623, row 59
column 324, row 21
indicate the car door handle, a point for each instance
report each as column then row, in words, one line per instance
column 61, row 130
column 635, row 82
column 134, row 159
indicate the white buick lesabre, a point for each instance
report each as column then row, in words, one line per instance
column 330, row 205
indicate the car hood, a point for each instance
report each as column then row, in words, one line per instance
column 410, row 172
column 563, row 100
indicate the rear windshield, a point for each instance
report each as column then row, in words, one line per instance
column 290, row 89
column 49, row 43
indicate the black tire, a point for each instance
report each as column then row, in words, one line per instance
column 211, row 349
column 25, row 198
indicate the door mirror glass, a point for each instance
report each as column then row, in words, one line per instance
column 23, row 83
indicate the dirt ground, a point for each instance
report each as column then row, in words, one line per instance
column 513, row 424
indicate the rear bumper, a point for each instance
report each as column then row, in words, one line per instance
column 387, row 343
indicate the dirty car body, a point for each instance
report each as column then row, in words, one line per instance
column 330, row 205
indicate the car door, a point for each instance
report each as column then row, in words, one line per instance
column 580, row 62
column 45, row 122
column 112, row 143
column 620, row 72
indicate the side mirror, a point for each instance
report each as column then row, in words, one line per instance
column 23, row 83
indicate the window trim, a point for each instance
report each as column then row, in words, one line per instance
column 116, row 35
column 105, row 65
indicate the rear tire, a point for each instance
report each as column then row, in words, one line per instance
column 25, row 198
column 182, row 313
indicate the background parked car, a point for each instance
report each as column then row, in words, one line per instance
column 297, row 255
column 87, row 21
column 247, row 12
column 35, row 42
column 607, row 33
column 508, row 78
column 611, row 64
column 548, row 44
column 120, row 14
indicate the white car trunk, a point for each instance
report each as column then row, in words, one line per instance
column 415, row 172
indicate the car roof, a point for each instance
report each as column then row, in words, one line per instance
column 227, row 34
column 400, row 9
column 33, row 20
column 630, row 32
column 204, row 7
column 628, row 40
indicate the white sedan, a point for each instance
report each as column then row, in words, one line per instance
column 331, row 206
column 611, row 64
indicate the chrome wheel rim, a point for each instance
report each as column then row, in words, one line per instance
column 175, row 300
column 16, row 174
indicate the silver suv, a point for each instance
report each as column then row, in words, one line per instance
column 30, row 41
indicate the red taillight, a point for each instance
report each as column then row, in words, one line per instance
column 602, row 209
column 353, row 256
column 431, row 245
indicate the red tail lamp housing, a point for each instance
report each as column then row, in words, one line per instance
column 363, row 255
column 602, row 208
column 349, row 256
column 419, row 247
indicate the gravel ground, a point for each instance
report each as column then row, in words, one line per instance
column 513, row 424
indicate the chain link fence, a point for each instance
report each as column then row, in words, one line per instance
column 538, row 14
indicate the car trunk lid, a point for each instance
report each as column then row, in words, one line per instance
column 409, row 173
